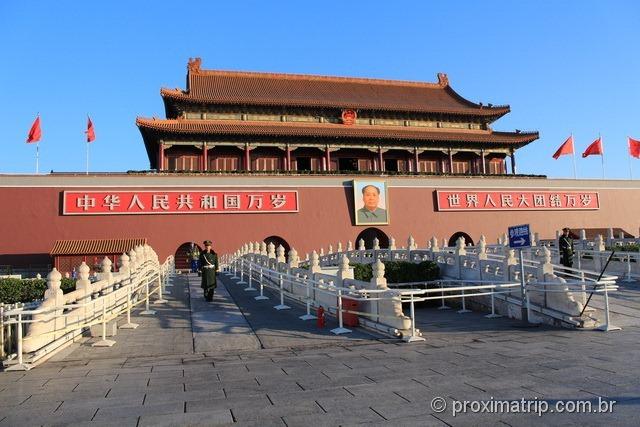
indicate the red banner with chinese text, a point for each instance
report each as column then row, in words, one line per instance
column 468, row 200
column 178, row 202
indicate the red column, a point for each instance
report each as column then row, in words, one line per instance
column 288, row 165
column 450, row 161
column 247, row 158
column 160, row 156
column 328, row 159
column 416, row 161
column 380, row 159
column 484, row 165
column 205, row 160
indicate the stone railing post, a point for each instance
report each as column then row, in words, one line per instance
column 293, row 258
column 106, row 273
column 344, row 272
column 339, row 250
column 610, row 237
column 330, row 251
column 361, row 245
column 281, row 258
column 314, row 265
column 321, row 251
column 349, row 246
column 411, row 243
column 598, row 257
column 509, row 261
column 271, row 250
column 392, row 244
column 376, row 243
column 263, row 249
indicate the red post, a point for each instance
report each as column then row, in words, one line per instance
column 205, row 159
column 416, row 161
column 288, row 165
column 328, row 158
column 380, row 159
column 247, row 158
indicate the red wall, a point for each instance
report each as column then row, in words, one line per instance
column 31, row 220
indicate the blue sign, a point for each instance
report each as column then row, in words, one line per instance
column 519, row 236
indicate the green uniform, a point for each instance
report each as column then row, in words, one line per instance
column 209, row 266
column 367, row 216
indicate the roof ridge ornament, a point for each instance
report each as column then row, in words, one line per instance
column 194, row 65
column 443, row 79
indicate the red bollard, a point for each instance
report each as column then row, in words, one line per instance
column 320, row 322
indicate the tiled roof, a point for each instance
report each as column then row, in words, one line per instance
column 278, row 89
column 298, row 129
column 95, row 247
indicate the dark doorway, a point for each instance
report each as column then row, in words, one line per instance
column 391, row 165
column 368, row 234
column 183, row 262
column 347, row 164
column 277, row 241
column 303, row 163
column 467, row 239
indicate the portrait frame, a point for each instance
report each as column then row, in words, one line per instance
column 361, row 218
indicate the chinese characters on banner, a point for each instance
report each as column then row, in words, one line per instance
column 178, row 202
column 516, row 200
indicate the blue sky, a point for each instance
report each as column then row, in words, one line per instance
column 563, row 66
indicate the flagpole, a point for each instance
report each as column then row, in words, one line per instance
column 87, row 158
column 630, row 161
column 573, row 156
column 602, row 156
column 37, row 157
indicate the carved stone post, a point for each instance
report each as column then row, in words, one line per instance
column 411, row 243
column 376, row 243
column 392, row 243
column 293, row 258
column 361, row 245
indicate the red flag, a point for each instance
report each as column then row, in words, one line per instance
column 634, row 148
column 91, row 133
column 35, row 133
column 565, row 148
column 594, row 149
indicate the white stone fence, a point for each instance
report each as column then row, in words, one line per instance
column 558, row 293
column 31, row 333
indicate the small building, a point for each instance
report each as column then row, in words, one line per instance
column 69, row 254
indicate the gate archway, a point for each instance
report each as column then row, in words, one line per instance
column 183, row 263
column 277, row 241
column 368, row 234
column 467, row 239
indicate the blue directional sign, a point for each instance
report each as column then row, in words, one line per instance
column 519, row 236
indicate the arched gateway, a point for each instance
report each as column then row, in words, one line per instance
column 368, row 234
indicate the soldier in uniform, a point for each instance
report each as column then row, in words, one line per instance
column 370, row 212
column 194, row 256
column 565, row 245
column 209, row 266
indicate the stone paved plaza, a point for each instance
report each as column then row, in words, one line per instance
column 239, row 362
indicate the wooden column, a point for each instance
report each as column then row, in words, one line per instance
column 513, row 162
column 205, row 159
column 484, row 163
column 288, row 165
column 327, row 157
column 247, row 157
column 161, row 156
column 450, row 161
column 380, row 159
column 416, row 160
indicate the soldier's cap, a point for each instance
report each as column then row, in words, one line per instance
column 566, row 229
column 207, row 242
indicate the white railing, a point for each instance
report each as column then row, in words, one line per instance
column 32, row 333
column 493, row 267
